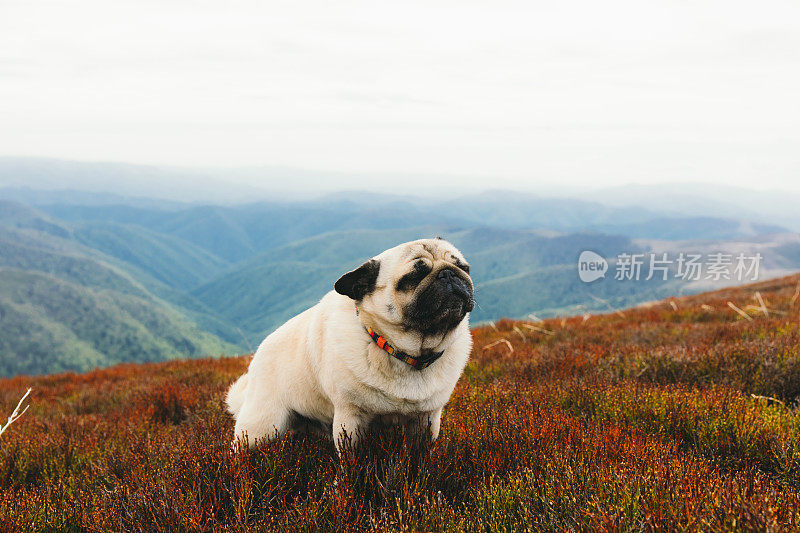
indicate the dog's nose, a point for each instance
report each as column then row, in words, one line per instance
column 446, row 274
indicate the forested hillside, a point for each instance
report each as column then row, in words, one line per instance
column 64, row 306
column 517, row 272
column 217, row 279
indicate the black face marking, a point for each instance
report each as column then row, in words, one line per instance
column 462, row 265
column 359, row 282
column 417, row 274
column 442, row 304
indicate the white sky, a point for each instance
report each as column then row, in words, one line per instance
column 566, row 92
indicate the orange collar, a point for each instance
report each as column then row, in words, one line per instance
column 418, row 363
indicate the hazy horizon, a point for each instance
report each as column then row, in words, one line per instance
column 292, row 182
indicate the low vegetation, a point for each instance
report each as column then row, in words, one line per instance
column 680, row 415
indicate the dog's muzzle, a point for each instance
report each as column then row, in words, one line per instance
column 444, row 303
column 457, row 292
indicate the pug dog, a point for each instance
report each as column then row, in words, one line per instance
column 388, row 343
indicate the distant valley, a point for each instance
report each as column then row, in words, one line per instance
column 109, row 280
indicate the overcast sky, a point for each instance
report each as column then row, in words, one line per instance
column 571, row 93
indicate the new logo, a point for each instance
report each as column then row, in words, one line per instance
column 591, row 266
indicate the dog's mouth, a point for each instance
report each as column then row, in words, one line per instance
column 442, row 305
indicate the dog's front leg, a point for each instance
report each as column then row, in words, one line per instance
column 348, row 422
column 420, row 424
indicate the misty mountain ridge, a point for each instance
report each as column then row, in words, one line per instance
column 505, row 209
column 39, row 181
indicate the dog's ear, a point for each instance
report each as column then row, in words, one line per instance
column 359, row 282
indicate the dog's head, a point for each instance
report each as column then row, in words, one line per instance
column 422, row 286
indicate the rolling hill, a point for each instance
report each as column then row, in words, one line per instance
column 516, row 272
column 53, row 325
column 229, row 275
column 66, row 306
column 170, row 260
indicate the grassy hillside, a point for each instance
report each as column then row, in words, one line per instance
column 681, row 415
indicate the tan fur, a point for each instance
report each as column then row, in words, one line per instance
column 322, row 364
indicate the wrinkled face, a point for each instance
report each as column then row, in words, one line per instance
column 422, row 286
column 432, row 287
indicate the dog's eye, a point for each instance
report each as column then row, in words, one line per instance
column 461, row 264
column 418, row 272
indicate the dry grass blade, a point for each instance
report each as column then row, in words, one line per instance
column 763, row 305
column 769, row 399
column 501, row 341
column 16, row 413
column 760, row 309
column 519, row 332
column 740, row 311
column 796, row 295
column 540, row 330
column 674, row 305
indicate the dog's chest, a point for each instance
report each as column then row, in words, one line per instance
column 400, row 401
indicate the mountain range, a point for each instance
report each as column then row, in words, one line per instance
column 97, row 279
